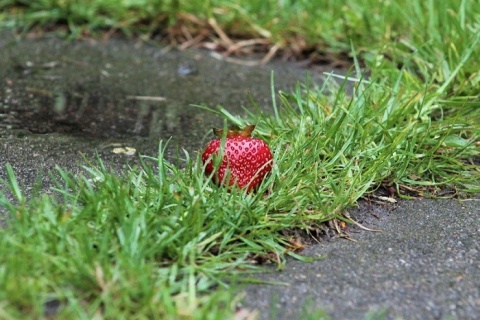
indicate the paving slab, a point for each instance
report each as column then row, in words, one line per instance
column 425, row 264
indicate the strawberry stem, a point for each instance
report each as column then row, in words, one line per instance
column 236, row 131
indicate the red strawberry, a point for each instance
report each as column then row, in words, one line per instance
column 247, row 160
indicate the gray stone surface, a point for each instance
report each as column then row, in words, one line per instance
column 61, row 101
column 425, row 264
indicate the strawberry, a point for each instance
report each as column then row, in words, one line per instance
column 246, row 160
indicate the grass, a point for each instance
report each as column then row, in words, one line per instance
column 163, row 241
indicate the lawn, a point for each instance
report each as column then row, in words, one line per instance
column 162, row 241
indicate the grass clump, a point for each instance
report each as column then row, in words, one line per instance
column 308, row 27
column 145, row 245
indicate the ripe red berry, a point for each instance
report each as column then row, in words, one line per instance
column 245, row 162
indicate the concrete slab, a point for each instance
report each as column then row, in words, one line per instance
column 424, row 265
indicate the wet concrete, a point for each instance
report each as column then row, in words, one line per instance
column 60, row 101
column 424, row 265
